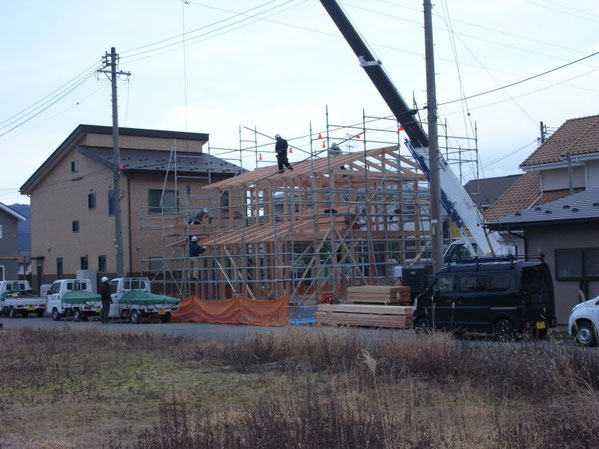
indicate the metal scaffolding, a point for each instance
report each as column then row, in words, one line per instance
column 336, row 220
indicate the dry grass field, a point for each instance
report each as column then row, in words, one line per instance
column 87, row 389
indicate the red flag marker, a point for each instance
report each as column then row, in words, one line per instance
column 357, row 136
column 260, row 158
column 401, row 128
column 323, row 145
column 319, row 136
column 290, row 150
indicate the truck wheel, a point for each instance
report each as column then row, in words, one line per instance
column 77, row 315
column 503, row 329
column 165, row 318
column 135, row 318
column 40, row 313
column 421, row 325
column 586, row 335
column 12, row 313
column 55, row 314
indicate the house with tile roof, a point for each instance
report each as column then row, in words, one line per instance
column 566, row 163
column 9, row 250
column 72, row 196
column 554, row 208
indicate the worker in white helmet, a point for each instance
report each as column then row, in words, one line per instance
column 199, row 216
column 106, row 300
column 281, row 149
column 195, row 251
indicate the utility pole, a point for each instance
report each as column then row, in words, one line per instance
column 543, row 128
column 433, row 140
column 111, row 60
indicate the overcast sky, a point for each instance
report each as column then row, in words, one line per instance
column 275, row 65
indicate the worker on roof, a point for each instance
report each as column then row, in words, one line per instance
column 281, row 150
column 199, row 216
column 334, row 149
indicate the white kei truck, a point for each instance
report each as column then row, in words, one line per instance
column 73, row 297
column 132, row 298
column 17, row 298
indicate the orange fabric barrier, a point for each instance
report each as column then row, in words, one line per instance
column 240, row 310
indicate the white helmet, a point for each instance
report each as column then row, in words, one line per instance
column 104, row 279
column 277, row 136
column 194, row 239
column 205, row 210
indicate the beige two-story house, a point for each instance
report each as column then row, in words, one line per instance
column 72, row 197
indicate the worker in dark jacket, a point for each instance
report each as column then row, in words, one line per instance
column 281, row 150
column 106, row 300
column 195, row 251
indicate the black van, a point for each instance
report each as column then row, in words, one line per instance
column 502, row 296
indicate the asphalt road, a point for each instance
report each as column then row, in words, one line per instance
column 204, row 331
column 229, row 332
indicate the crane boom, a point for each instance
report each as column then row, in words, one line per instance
column 455, row 199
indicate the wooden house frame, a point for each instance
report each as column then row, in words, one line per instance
column 330, row 223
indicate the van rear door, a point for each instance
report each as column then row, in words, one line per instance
column 537, row 293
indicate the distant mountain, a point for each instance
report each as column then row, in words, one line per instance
column 23, row 229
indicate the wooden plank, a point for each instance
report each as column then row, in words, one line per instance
column 366, row 308
column 400, row 322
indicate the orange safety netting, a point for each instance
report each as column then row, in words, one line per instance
column 240, row 310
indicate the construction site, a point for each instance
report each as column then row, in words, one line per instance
column 351, row 213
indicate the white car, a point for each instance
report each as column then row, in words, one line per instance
column 584, row 322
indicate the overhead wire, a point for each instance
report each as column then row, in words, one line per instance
column 46, row 106
column 192, row 39
column 567, row 12
column 515, row 83
column 53, row 93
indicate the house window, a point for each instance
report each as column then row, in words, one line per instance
column 74, row 166
column 1, row 272
column 224, row 201
column 59, row 267
column 84, row 263
column 91, row 200
column 111, row 203
column 162, row 201
column 102, row 264
column 75, row 225
column 0, row 231
column 577, row 264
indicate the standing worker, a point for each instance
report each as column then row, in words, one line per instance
column 106, row 300
column 281, row 150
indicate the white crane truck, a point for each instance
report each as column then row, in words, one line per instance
column 73, row 297
column 17, row 298
column 456, row 201
column 132, row 298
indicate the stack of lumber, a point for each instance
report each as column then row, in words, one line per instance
column 370, row 306
column 379, row 294
column 399, row 317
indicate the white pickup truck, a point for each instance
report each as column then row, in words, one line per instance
column 132, row 298
column 73, row 297
column 17, row 298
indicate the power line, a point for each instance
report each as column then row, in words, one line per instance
column 50, row 97
column 521, row 81
column 178, row 38
column 47, row 106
